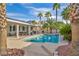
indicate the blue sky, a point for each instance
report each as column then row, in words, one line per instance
column 29, row 11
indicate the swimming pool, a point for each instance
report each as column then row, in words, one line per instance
column 44, row 38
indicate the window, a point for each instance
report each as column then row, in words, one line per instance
column 14, row 28
column 23, row 28
column 10, row 28
column 19, row 28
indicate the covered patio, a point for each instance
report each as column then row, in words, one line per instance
column 18, row 28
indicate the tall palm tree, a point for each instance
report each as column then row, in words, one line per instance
column 3, row 29
column 50, row 24
column 48, row 15
column 74, row 18
column 40, row 16
column 56, row 6
column 45, row 26
column 73, row 15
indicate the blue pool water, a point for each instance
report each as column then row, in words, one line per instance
column 45, row 38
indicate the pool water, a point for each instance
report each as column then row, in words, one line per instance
column 45, row 38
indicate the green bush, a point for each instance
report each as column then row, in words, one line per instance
column 66, row 31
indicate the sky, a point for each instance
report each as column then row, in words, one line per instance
column 29, row 11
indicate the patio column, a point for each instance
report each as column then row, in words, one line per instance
column 17, row 31
column 29, row 30
column 37, row 30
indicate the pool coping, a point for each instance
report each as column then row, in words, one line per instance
column 33, row 36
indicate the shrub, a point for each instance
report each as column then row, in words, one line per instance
column 66, row 31
column 14, row 52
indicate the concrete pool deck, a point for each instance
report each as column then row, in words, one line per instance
column 13, row 42
column 34, row 49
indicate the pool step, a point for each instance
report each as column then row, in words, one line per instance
column 35, row 50
column 47, row 51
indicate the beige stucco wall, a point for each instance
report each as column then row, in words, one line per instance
column 14, row 24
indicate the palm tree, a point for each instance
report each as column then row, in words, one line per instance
column 40, row 16
column 45, row 26
column 50, row 24
column 74, row 18
column 64, row 14
column 3, row 29
column 73, row 15
column 34, row 22
column 48, row 15
column 56, row 6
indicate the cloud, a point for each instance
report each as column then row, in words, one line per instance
column 34, row 11
column 43, row 9
column 64, row 6
column 16, row 14
column 39, row 9
column 59, row 17
column 19, row 16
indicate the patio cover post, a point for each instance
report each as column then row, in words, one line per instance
column 37, row 30
column 17, row 31
column 29, row 29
